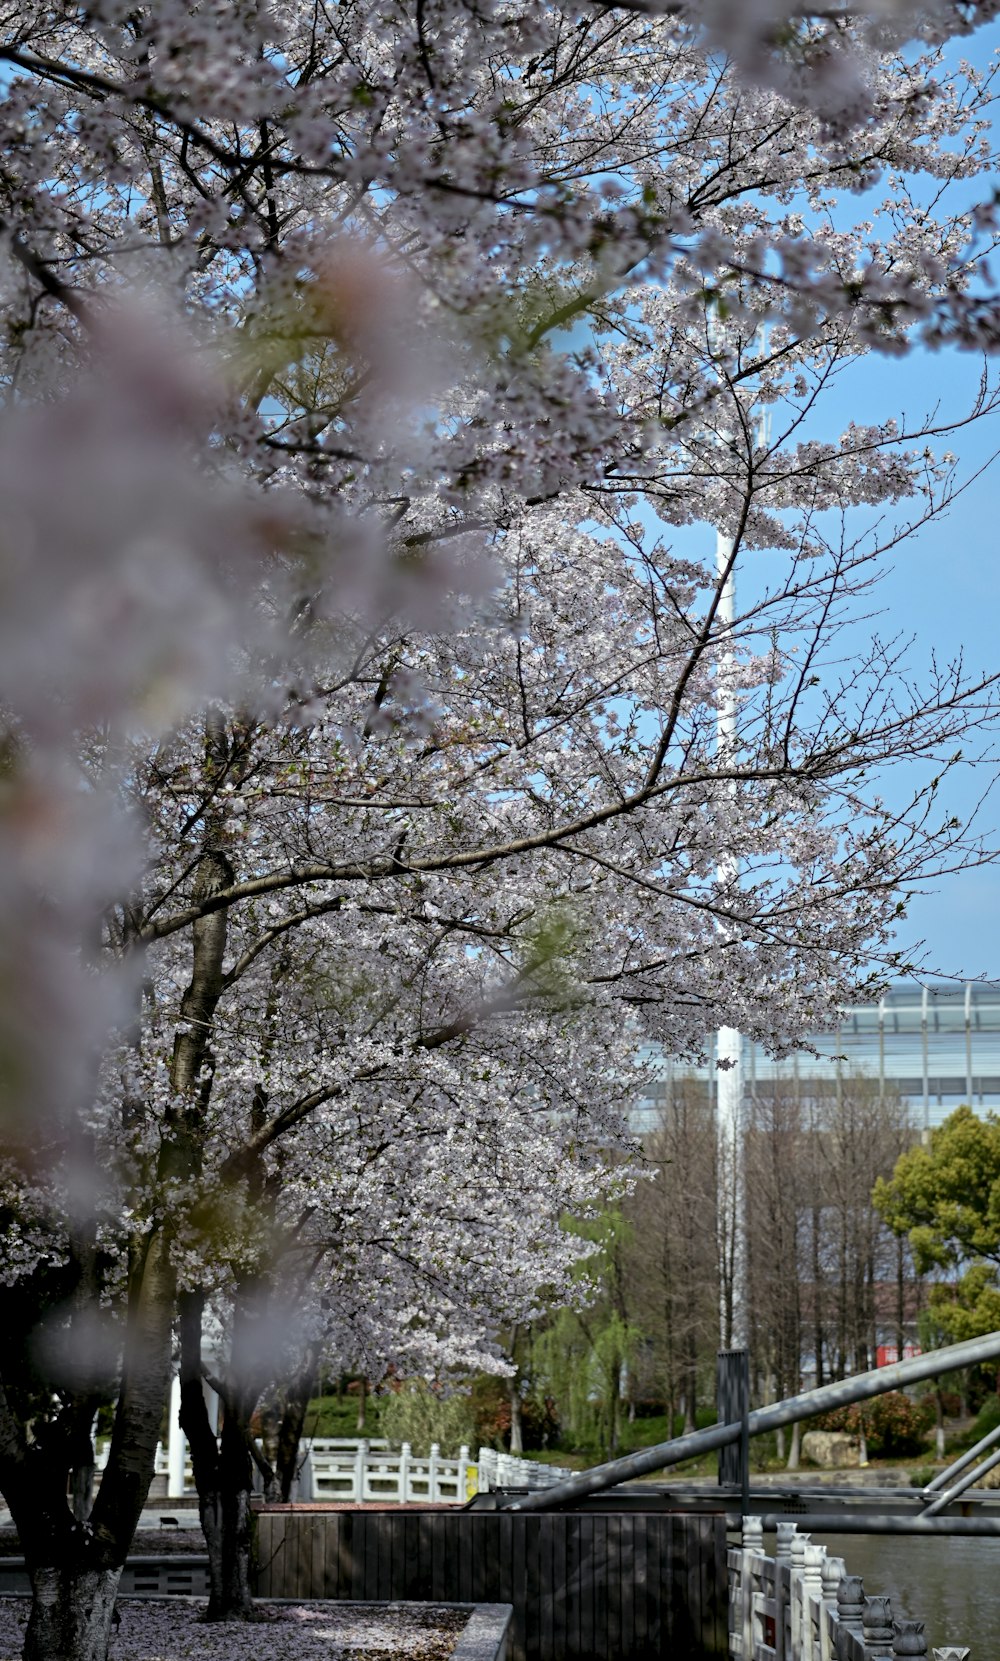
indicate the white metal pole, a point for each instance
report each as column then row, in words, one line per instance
column 729, row 1079
column 176, row 1444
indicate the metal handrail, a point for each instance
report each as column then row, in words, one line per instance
column 959, row 1488
column 803, row 1406
column 967, row 1458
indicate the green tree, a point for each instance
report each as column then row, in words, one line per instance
column 583, row 1359
column 945, row 1195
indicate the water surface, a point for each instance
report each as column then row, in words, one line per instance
column 951, row 1584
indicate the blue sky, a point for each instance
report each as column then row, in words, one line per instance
column 942, row 591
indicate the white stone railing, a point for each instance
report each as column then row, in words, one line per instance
column 506, row 1470
column 802, row 1605
column 367, row 1473
column 356, row 1470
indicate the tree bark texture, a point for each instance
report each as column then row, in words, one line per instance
column 223, row 1478
column 71, row 1614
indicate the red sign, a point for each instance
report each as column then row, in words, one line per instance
column 886, row 1354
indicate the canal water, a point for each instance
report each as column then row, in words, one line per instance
column 951, row 1584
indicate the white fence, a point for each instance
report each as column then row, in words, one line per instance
column 506, row 1470
column 802, row 1605
column 366, row 1471
column 356, row 1470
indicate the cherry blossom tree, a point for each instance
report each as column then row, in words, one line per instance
column 361, row 772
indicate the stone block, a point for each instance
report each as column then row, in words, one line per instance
column 834, row 1450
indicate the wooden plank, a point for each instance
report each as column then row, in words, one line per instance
column 425, row 1556
column 626, row 1580
column 530, row 1528
column 410, row 1568
column 366, row 1523
column 303, row 1556
column 320, row 1535
column 614, row 1585
column 563, row 1526
column 518, row 1589
column 639, row 1611
column 599, row 1583
column 656, row 1546
column 351, row 1563
column 479, row 1522
column 695, row 1595
column 722, row 1589
column 683, row 1636
column 588, row 1618
column 261, row 1567
column 545, row 1597
column 380, row 1572
column 460, row 1546
column 280, row 1547
column 711, row 1602
column 498, row 1565
column 570, row 1565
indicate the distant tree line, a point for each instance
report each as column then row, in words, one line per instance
column 826, row 1280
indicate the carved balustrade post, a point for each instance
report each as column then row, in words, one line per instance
column 850, row 1609
column 785, row 1534
column 908, row 1638
column 813, row 1613
column 798, row 1610
column 876, row 1625
column 753, row 1546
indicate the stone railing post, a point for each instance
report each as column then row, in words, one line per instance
column 487, row 1470
column 753, row 1545
column 360, row 1472
column 432, row 1473
column 833, row 1572
column 876, row 1626
column 405, row 1456
column 462, row 1492
column 908, row 1638
column 784, row 1587
column 784, row 1535
column 798, row 1616
column 952, row 1652
column 850, row 1610
column 813, row 1613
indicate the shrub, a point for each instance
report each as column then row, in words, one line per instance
column 893, row 1424
column 987, row 1418
column 420, row 1414
column 491, row 1410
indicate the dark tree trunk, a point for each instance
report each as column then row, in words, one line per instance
column 297, row 1398
column 74, row 1572
column 71, row 1614
column 228, row 1526
column 223, row 1478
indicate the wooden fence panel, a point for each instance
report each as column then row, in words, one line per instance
column 585, row 1586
